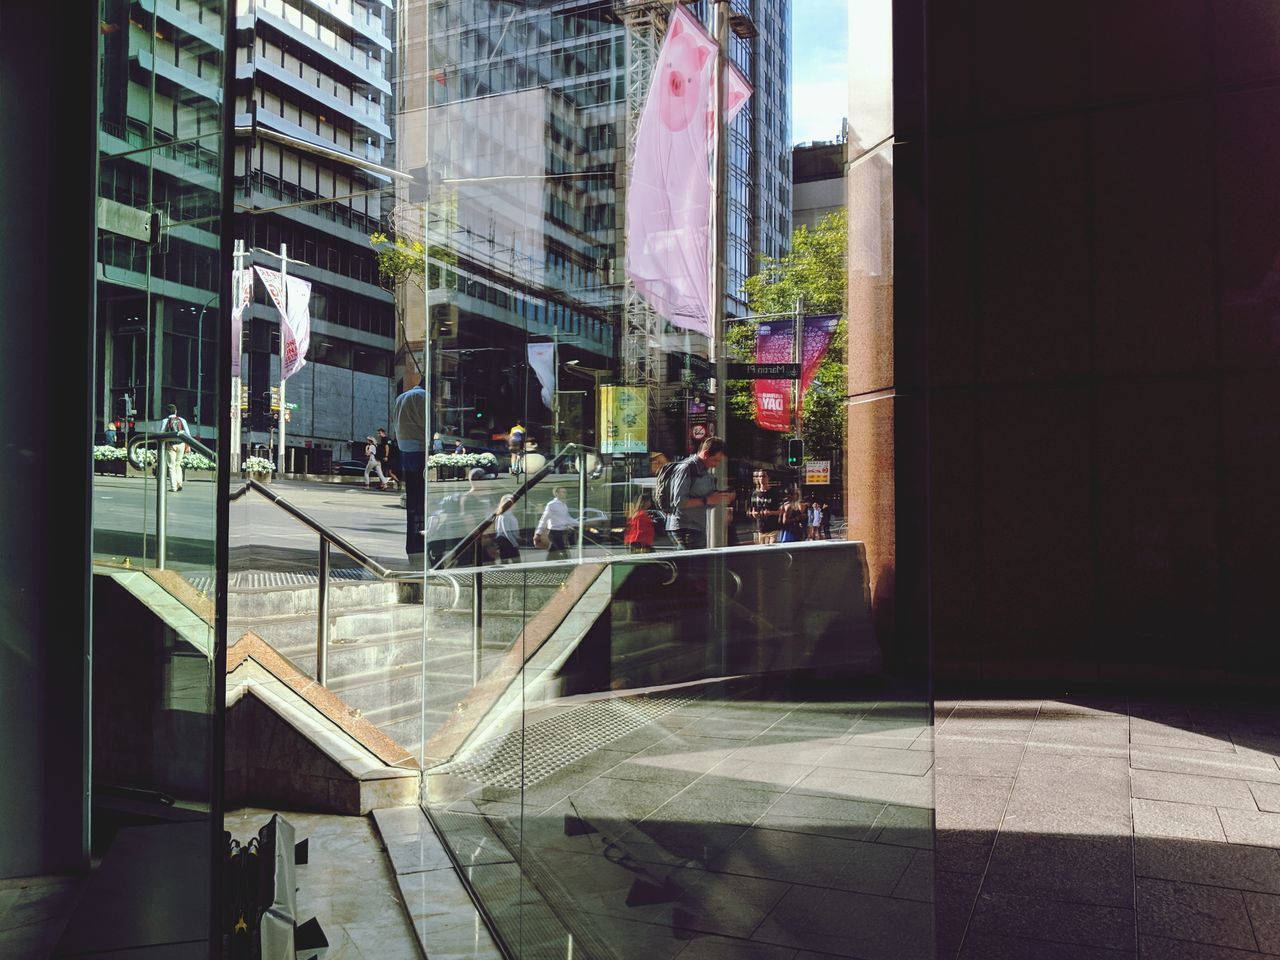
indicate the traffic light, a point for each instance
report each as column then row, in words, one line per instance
column 795, row 452
column 482, row 409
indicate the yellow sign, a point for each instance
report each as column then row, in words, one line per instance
column 817, row 472
column 624, row 419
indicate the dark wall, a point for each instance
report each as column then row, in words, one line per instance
column 1103, row 341
column 47, row 83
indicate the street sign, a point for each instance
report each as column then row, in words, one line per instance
column 817, row 472
column 764, row 371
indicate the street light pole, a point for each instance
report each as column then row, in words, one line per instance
column 718, row 530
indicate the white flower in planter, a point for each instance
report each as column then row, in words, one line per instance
column 258, row 465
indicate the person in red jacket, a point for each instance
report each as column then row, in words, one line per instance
column 639, row 534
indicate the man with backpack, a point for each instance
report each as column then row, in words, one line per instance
column 686, row 489
column 174, row 452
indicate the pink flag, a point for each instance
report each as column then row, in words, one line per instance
column 669, row 192
column 818, row 332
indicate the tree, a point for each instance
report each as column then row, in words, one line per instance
column 814, row 273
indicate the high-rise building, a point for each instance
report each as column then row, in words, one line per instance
column 527, row 131
column 312, row 118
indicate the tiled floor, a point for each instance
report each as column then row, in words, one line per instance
column 738, row 825
column 1107, row 829
column 33, row 913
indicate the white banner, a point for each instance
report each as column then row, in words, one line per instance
column 242, row 291
column 542, row 357
column 295, row 324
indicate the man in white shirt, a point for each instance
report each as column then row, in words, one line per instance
column 554, row 522
column 173, row 452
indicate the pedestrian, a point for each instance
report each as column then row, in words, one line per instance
column 110, row 433
column 553, row 525
column 515, row 447
column 174, row 452
column 372, row 463
column 475, row 510
column 813, row 519
column 826, row 519
column 459, row 448
column 693, row 491
column 437, row 444
column 764, row 507
column 792, row 519
column 409, row 424
column 385, row 445
column 639, row 533
column 507, row 531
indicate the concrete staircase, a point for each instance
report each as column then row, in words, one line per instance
column 377, row 651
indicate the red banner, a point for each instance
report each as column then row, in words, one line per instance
column 773, row 397
column 818, row 333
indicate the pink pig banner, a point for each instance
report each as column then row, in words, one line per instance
column 669, row 193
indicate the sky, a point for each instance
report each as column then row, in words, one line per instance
column 819, row 68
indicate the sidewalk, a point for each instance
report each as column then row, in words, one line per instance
column 1086, row 830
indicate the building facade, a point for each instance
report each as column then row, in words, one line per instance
column 313, row 120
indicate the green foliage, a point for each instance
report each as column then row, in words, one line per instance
column 399, row 260
column 814, row 273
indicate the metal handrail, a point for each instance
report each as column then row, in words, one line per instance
column 328, row 538
column 166, row 438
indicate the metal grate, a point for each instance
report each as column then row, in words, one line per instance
column 259, row 579
column 530, row 578
column 523, row 758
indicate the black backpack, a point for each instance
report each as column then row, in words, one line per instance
column 664, row 487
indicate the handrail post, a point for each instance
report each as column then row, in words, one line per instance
column 162, row 511
column 322, row 616
column 477, row 624
column 582, row 500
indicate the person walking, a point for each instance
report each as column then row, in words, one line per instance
column 385, row 457
column 639, row 533
column 792, row 520
column 437, row 444
column 409, row 423
column 553, row 525
column 813, row 519
column 507, row 531
column 372, row 463
column 694, row 491
column 763, row 508
column 174, row 452
column 826, row 520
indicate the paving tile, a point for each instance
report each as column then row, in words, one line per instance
column 1215, row 864
column 874, row 868
column 1208, row 763
column 1157, row 818
column 1162, row 948
column 917, row 882
column 904, row 826
column 730, row 906
column 790, row 857
column 1264, row 914
column 878, row 759
column 1082, row 869
column 954, row 896
column 723, row 948
column 867, row 785
column 1188, row 788
column 1084, row 731
column 963, row 851
column 824, row 816
column 1265, row 795
column 773, row 775
column 1152, row 733
column 978, row 766
column 971, row 803
column 1185, row 911
column 989, row 947
column 1256, row 829
column 850, row 924
column 1090, row 925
